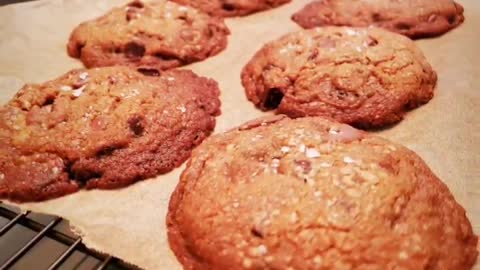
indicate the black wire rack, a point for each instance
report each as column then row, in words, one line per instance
column 35, row 241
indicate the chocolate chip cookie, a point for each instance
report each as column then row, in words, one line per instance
column 229, row 8
column 367, row 77
column 155, row 35
column 314, row 194
column 101, row 128
column 413, row 18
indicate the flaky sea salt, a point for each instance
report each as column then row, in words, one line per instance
column 182, row 108
column 182, row 8
column 78, row 92
column 83, row 76
column 66, row 88
column 351, row 32
column 312, row 153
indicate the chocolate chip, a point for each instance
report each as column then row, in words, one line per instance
column 48, row 101
column 107, row 150
column 136, row 4
column 452, row 19
column 185, row 19
column 132, row 13
column 273, row 99
column 136, row 125
column 228, row 7
column 390, row 165
column 345, row 133
column 372, row 41
column 78, row 48
column 149, row 72
column 198, row 139
column 134, row 50
column 79, row 83
column 313, row 55
column 112, row 80
column 376, row 17
column 403, row 26
column 84, row 176
column 165, row 56
column 81, row 175
column 342, row 94
column 256, row 232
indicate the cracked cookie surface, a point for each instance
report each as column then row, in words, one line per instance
column 310, row 193
column 413, row 18
column 101, row 128
column 155, row 35
column 229, row 8
column 366, row 77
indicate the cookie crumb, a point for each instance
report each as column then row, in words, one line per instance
column 247, row 263
column 403, row 255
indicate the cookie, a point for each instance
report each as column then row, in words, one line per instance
column 155, row 35
column 366, row 77
column 230, row 8
column 314, row 194
column 413, row 18
column 101, row 128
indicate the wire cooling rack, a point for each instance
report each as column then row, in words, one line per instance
column 34, row 241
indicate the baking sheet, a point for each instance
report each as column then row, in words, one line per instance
column 130, row 223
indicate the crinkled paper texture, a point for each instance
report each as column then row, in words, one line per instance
column 130, row 223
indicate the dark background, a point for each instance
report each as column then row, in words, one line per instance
column 6, row 2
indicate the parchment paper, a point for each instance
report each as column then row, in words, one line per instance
column 130, row 223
